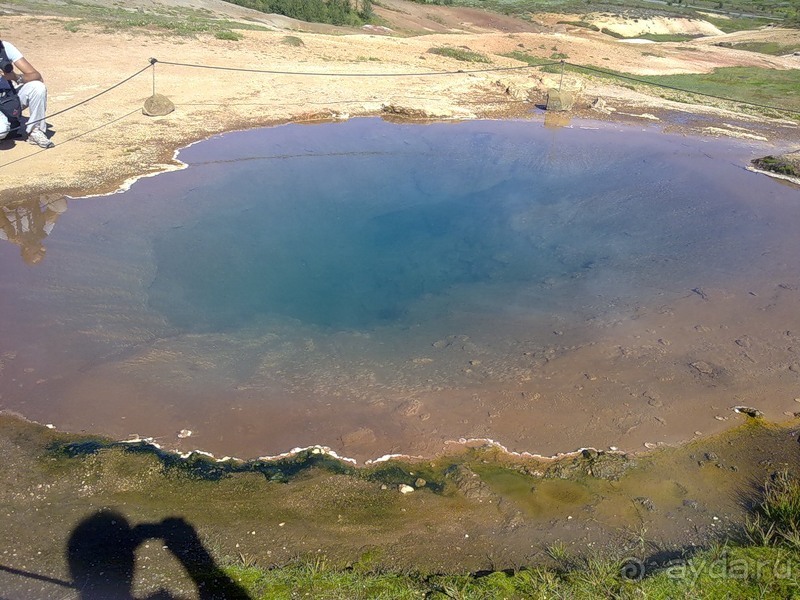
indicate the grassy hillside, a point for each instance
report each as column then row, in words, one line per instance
column 731, row 15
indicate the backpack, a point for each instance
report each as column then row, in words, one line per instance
column 10, row 105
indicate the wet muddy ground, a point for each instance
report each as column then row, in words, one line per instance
column 473, row 510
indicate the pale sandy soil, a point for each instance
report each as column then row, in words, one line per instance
column 102, row 144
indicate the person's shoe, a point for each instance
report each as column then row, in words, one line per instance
column 38, row 137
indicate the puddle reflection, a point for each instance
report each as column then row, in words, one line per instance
column 27, row 223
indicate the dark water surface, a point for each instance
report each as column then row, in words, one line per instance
column 329, row 261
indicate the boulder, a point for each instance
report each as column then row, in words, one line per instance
column 158, row 105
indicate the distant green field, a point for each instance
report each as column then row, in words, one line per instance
column 772, row 48
column 748, row 84
column 757, row 85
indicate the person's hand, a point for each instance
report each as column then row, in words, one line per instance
column 181, row 539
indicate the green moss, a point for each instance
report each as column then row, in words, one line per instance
column 767, row 47
column 461, row 54
column 777, row 164
column 228, row 35
column 666, row 37
column 292, row 40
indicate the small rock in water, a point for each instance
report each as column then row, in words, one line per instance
column 420, row 482
column 405, row 489
column 646, row 503
column 753, row 413
column 184, row 433
column 702, row 367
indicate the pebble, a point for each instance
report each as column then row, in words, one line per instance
column 405, row 489
column 420, row 482
column 749, row 411
column 702, row 367
column 184, row 433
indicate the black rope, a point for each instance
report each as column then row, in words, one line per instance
column 486, row 70
column 677, row 89
column 328, row 74
column 152, row 62
column 82, row 102
column 75, row 137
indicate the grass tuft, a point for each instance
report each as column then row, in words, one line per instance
column 776, row 519
column 462, row 54
column 292, row 40
column 228, row 35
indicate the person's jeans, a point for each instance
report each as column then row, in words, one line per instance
column 33, row 96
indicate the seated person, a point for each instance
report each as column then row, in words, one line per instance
column 30, row 88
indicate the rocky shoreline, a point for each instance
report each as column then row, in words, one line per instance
column 783, row 166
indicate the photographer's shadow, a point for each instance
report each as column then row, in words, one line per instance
column 101, row 558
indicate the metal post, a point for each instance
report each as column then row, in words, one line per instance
column 153, row 62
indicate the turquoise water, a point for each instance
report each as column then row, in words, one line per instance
column 330, row 261
column 351, row 226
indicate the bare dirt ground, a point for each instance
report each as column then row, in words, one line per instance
column 107, row 141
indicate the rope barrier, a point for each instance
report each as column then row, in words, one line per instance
column 75, row 137
column 153, row 61
column 486, row 70
column 328, row 74
column 82, row 102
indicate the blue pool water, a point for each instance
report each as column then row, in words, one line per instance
column 351, row 226
column 321, row 261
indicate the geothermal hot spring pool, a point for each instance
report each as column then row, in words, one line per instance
column 381, row 288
